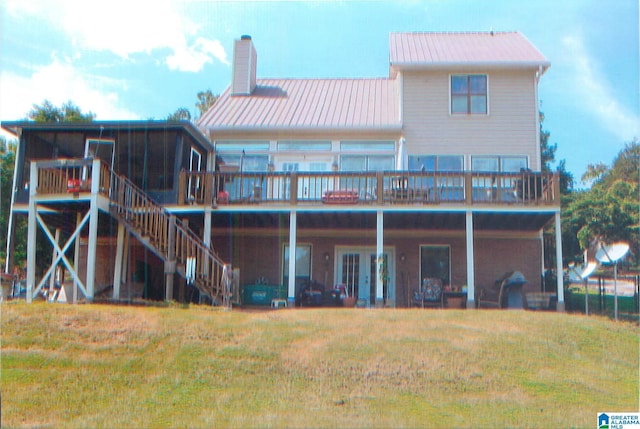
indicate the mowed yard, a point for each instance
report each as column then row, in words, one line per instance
column 124, row 366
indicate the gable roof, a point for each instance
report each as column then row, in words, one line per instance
column 434, row 50
column 308, row 105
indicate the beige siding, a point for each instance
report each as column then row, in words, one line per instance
column 509, row 129
column 244, row 68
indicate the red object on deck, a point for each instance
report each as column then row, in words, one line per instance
column 340, row 197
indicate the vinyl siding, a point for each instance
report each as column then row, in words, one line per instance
column 510, row 128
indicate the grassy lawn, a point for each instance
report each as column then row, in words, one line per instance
column 107, row 366
column 603, row 305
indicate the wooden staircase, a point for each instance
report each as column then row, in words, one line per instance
column 166, row 236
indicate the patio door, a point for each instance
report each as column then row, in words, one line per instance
column 357, row 269
column 309, row 187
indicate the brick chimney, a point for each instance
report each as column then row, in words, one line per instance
column 244, row 67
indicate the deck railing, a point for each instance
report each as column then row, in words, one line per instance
column 355, row 188
column 64, row 176
column 397, row 187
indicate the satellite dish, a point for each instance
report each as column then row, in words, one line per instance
column 589, row 269
column 580, row 273
column 612, row 253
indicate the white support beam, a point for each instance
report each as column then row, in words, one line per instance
column 379, row 258
column 206, row 233
column 471, row 284
column 293, row 227
column 117, row 272
column 92, row 245
column 76, row 259
column 31, row 231
column 559, row 268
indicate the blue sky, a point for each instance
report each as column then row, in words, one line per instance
column 141, row 60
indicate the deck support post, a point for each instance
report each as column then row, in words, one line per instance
column 293, row 226
column 170, row 263
column 560, row 306
column 471, row 287
column 76, row 258
column 92, row 244
column 117, row 272
column 32, row 225
column 380, row 269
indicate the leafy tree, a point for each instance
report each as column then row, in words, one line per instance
column 206, row 99
column 182, row 114
column 609, row 211
column 68, row 112
column 548, row 157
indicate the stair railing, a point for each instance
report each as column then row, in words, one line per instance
column 168, row 236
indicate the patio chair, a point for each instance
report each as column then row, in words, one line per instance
column 429, row 295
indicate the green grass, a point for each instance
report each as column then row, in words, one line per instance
column 602, row 305
column 107, row 366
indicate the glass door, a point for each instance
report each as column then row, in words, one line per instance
column 357, row 269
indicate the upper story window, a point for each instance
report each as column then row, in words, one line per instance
column 243, row 155
column 368, row 146
column 436, row 162
column 469, row 94
column 503, row 164
column 304, row 145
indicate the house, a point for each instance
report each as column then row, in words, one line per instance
column 430, row 175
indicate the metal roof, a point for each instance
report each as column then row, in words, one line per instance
column 309, row 104
column 133, row 125
column 430, row 49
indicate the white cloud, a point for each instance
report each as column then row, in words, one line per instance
column 60, row 82
column 594, row 93
column 126, row 27
column 193, row 58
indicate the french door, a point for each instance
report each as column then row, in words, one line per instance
column 357, row 269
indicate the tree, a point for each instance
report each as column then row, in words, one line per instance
column 609, row 211
column 206, row 99
column 68, row 112
column 182, row 114
column 548, row 157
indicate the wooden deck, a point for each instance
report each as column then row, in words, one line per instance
column 66, row 178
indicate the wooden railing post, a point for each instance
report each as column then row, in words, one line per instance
column 293, row 187
column 555, row 189
column 208, row 186
column 182, row 184
column 380, row 187
column 468, row 187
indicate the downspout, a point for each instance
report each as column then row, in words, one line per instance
column 537, row 76
column 145, row 160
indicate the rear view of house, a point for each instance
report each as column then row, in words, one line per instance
column 383, row 188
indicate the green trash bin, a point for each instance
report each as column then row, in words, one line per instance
column 261, row 294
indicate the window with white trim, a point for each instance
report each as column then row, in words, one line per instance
column 469, row 94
